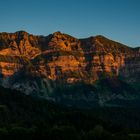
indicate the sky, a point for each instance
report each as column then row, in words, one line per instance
column 118, row 20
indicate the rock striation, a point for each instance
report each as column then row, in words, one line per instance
column 40, row 63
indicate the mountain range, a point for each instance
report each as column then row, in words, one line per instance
column 94, row 71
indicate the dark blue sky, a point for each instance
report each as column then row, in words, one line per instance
column 115, row 19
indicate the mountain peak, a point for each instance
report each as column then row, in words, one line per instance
column 21, row 32
column 57, row 33
column 100, row 36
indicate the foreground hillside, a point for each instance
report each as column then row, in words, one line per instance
column 24, row 117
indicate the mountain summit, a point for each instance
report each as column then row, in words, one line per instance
column 59, row 66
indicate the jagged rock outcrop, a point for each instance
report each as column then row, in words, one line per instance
column 16, row 49
column 39, row 64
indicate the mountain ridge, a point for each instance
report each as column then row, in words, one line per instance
column 39, row 65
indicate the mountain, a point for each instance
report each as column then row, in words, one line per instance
column 80, row 72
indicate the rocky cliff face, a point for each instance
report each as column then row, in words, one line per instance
column 39, row 64
column 15, row 50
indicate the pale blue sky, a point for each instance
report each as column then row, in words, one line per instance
column 116, row 19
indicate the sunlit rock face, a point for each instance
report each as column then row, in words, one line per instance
column 38, row 64
column 15, row 50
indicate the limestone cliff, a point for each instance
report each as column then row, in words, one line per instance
column 62, row 56
column 60, row 59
